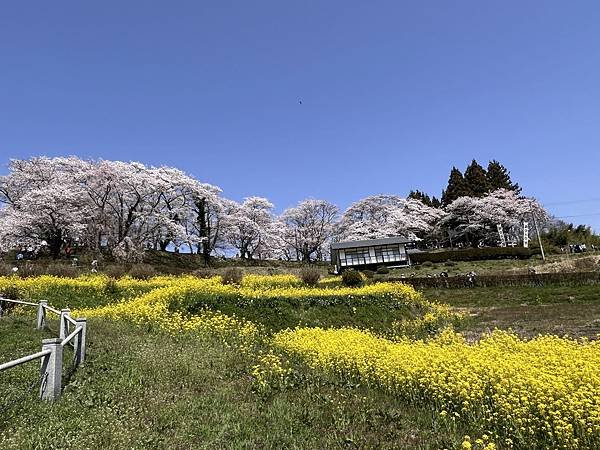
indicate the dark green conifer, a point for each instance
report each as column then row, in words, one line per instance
column 476, row 180
column 423, row 197
column 498, row 177
column 456, row 187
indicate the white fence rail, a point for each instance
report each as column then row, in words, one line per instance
column 52, row 349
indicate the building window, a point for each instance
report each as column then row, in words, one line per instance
column 389, row 253
column 373, row 255
column 357, row 256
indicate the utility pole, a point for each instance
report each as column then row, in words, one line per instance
column 537, row 230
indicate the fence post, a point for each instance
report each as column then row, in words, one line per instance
column 80, row 341
column 41, row 314
column 64, row 324
column 52, row 367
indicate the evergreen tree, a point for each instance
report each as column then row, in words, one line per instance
column 476, row 180
column 433, row 202
column 498, row 177
column 456, row 187
column 421, row 196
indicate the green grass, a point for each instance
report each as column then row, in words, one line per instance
column 157, row 391
column 284, row 316
column 516, row 295
column 280, row 313
column 487, row 267
column 141, row 388
column 527, row 310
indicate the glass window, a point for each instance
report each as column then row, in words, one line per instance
column 389, row 253
column 357, row 256
column 383, row 253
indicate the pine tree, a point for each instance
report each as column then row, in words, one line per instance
column 456, row 187
column 498, row 177
column 476, row 180
column 421, row 196
column 433, row 202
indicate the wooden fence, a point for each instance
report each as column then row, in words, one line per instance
column 71, row 332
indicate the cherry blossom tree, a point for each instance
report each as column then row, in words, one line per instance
column 153, row 207
column 42, row 204
column 381, row 216
column 248, row 225
column 475, row 219
column 58, row 199
column 51, row 215
column 126, row 207
column 209, row 211
column 308, row 228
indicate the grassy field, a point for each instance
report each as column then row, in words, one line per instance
column 144, row 387
column 553, row 263
column 159, row 391
column 529, row 311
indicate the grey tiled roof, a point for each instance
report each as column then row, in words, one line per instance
column 370, row 242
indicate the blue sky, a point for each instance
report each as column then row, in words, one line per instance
column 393, row 93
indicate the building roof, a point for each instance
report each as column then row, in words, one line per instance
column 370, row 242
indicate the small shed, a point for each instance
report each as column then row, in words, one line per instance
column 372, row 253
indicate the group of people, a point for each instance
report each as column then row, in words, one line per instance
column 28, row 252
column 577, row 248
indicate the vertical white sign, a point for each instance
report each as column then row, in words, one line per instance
column 502, row 238
column 526, row 234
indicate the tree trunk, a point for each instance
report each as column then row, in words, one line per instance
column 55, row 243
column 204, row 230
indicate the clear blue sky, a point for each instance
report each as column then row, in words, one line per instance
column 393, row 93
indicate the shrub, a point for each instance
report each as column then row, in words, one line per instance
column 383, row 270
column 31, row 269
column 142, row 271
column 310, row 276
column 427, row 264
column 128, row 251
column 10, row 292
column 450, row 263
column 62, row 270
column 204, row 273
column 351, row 278
column 115, row 271
column 111, row 288
column 6, row 269
column 368, row 273
column 233, row 275
column 475, row 254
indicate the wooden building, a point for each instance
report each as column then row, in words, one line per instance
column 370, row 254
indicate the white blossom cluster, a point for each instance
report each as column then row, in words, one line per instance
column 128, row 207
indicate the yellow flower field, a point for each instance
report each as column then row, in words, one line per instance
column 154, row 307
column 544, row 391
column 541, row 393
